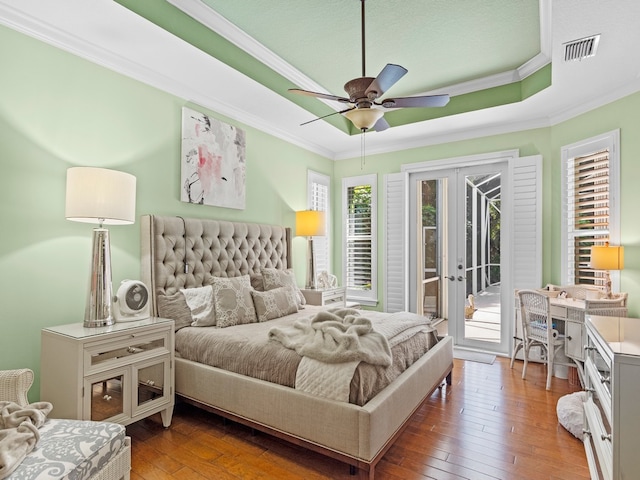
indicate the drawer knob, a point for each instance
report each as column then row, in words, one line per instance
column 107, row 397
column 586, row 432
column 606, row 436
column 605, row 379
column 588, row 347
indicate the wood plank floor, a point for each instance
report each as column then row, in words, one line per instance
column 490, row 424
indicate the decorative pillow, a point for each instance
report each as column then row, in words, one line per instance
column 233, row 302
column 175, row 307
column 200, row 302
column 275, row 303
column 257, row 282
column 274, row 278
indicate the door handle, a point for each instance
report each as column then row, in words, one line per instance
column 461, row 278
column 451, row 277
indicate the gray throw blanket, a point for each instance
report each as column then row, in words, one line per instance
column 335, row 336
column 19, row 432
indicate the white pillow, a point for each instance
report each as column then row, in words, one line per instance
column 200, row 302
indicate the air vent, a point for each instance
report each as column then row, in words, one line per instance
column 579, row 49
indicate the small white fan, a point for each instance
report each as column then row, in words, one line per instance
column 131, row 301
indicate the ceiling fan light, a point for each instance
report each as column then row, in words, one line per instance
column 364, row 118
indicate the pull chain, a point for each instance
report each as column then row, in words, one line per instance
column 362, row 149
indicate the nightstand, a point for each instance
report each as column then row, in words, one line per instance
column 121, row 373
column 335, row 297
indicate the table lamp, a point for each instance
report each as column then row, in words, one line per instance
column 310, row 223
column 103, row 197
column 607, row 258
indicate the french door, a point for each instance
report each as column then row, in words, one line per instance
column 454, row 230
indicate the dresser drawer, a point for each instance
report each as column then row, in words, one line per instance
column 599, row 440
column 598, row 380
column 124, row 349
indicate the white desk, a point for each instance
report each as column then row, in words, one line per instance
column 569, row 314
column 572, row 312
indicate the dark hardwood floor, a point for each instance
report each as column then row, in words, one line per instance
column 489, row 424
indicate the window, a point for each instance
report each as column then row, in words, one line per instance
column 359, row 198
column 318, row 190
column 591, row 181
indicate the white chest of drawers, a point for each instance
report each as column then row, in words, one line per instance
column 121, row 373
column 612, row 409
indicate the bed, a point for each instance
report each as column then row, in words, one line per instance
column 186, row 254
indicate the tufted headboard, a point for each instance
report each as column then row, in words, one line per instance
column 181, row 252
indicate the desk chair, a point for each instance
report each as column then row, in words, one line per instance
column 538, row 330
column 518, row 341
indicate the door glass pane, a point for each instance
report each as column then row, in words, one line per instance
column 107, row 398
column 150, row 383
column 482, row 321
column 431, row 249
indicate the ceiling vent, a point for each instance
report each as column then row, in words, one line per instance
column 582, row 48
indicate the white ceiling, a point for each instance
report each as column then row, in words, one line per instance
column 107, row 33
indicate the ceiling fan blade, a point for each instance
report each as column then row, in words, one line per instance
column 381, row 125
column 389, row 75
column 424, row 101
column 326, row 96
column 330, row 114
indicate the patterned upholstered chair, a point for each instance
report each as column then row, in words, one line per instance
column 92, row 450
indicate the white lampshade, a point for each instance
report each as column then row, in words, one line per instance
column 364, row 118
column 99, row 195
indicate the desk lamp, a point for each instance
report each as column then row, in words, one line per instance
column 607, row 258
column 104, row 197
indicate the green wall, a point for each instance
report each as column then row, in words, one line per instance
column 58, row 111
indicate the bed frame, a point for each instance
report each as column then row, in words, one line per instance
column 184, row 253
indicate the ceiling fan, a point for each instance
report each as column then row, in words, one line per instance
column 364, row 93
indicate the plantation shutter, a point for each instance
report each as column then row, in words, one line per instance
column 319, row 200
column 395, row 285
column 526, row 179
column 360, row 238
column 588, row 211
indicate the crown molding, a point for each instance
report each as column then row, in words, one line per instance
column 101, row 55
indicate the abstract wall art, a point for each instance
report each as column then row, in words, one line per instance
column 213, row 161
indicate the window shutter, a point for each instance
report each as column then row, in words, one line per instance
column 359, row 237
column 360, row 207
column 588, row 212
column 318, row 188
column 320, row 202
column 395, row 286
column 526, row 177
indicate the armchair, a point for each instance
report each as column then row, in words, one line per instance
column 93, row 450
column 14, row 385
